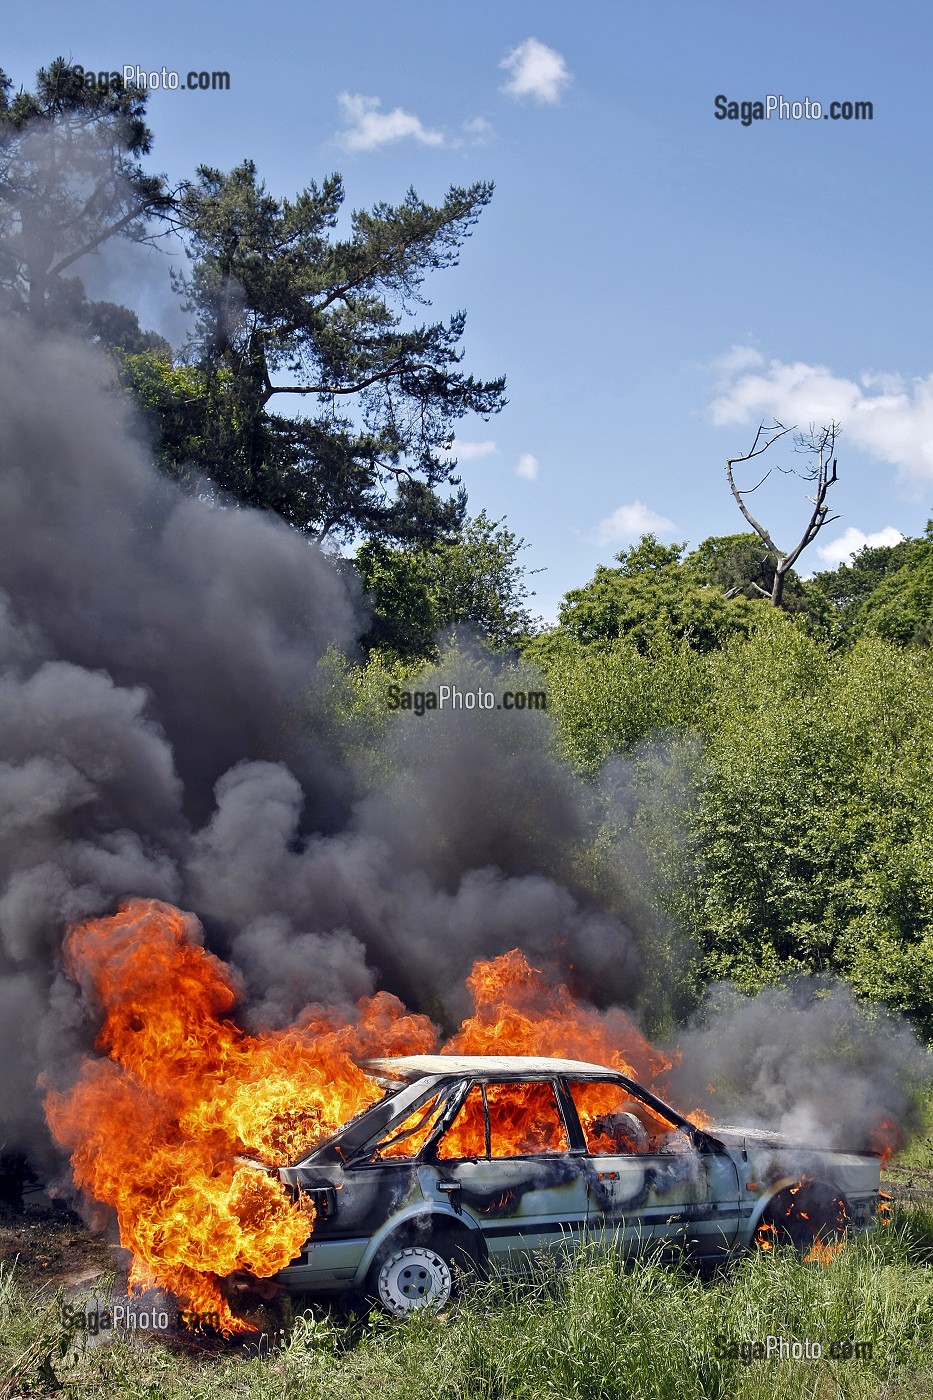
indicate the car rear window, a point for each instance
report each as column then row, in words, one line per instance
column 613, row 1122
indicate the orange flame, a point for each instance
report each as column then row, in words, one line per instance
column 518, row 1011
column 158, row 1125
column 885, row 1139
column 765, row 1236
column 823, row 1252
column 832, row 1233
column 155, row 1129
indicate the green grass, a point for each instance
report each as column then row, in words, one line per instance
column 600, row 1331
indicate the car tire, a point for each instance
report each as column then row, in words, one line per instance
column 406, row 1277
column 416, row 1272
column 815, row 1213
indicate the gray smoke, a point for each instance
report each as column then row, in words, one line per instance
column 807, row 1060
column 140, row 275
column 165, row 732
column 463, row 850
column 218, row 614
column 158, row 692
column 148, row 642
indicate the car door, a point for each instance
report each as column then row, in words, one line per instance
column 506, row 1162
column 650, row 1181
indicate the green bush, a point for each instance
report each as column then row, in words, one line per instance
column 780, row 792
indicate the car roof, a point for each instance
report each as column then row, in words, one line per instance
column 484, row 1066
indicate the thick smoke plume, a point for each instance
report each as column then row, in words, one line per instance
column 805, row 1060
column 164, row 733
column 158, row 656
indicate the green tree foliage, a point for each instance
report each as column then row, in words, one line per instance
column 70, row 179
column 887, row 589
column 117, row 327
column 473, row 580
column 815, row 836
column 612, row 698
column 742, row 566
column 781, row 788
column 289, row 312
column 170, row 398
column 653, row 599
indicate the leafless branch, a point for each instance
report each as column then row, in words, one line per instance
column 819, row 444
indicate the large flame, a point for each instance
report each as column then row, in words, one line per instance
column 520, row 1012
column 156, row 1127
column 158, row 1123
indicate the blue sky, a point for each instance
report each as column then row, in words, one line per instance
column 653, row 281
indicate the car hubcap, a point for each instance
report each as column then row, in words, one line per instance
column 414, row 1278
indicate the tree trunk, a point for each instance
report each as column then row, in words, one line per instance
column 777, row 588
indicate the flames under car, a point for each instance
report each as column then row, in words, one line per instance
column 477, row 1159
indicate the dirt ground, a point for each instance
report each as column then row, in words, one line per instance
column 50, row 1244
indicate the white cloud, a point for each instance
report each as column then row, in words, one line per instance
column 527, row 467
column 537, row 72
column 883, row 414
column 479, row 130
column 737, row 358
column 627, row 525
column 369, row 128
column 839, row 551
column 466, row 451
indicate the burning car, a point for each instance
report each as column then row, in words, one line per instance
column 468, row 1160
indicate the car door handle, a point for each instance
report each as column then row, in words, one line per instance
column 453, row 1190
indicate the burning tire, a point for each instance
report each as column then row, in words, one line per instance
column 411, row 1273
column 811, row 1217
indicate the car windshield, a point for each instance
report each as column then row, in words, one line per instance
column 407, row 1138
column 346, row 1140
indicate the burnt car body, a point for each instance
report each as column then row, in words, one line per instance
column 476, row 1159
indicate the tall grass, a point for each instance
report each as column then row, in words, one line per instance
column 600, row 1331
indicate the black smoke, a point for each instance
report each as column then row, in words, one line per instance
column 161, row 734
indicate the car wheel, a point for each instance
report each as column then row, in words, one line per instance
column 807, row 1217
column 407, row 1277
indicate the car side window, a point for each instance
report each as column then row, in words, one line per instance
column 467, row 1135
column 525, row 1119
column 506, row 1118
column 613, row 1122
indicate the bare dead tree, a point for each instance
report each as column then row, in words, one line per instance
column 819, row 444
